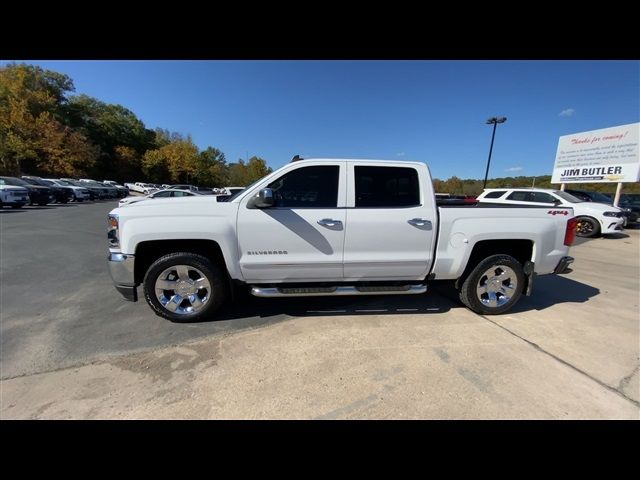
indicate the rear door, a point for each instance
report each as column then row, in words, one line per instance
column 390, row 222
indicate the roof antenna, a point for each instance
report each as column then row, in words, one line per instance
column 296, row 158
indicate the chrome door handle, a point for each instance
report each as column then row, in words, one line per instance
column 328, row 222
column 420, row 222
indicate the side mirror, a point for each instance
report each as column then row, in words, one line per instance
column 264, row 199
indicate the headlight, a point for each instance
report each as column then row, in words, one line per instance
column 612, row 214
column 112, row 231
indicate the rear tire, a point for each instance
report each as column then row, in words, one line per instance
column 587, row 227
column 191, row 270
column 16, row 206
column 494, row 286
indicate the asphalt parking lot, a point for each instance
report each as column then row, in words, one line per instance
column 72, row 348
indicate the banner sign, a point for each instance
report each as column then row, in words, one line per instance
column 599, row 156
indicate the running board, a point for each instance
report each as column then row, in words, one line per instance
column 332, row 291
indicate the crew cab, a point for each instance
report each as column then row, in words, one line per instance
column 320, row 227
column 592, row 219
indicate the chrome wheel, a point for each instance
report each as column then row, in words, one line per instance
column 182, row 289
column 497, row 285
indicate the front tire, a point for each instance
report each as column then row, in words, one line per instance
column 185, row 287
column 587, row 227
column 494, row 285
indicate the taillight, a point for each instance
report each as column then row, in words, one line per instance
column 570, row 232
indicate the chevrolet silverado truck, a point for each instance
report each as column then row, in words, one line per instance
column 321, row 227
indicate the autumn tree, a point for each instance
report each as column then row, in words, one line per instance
column 33, row 135
column 176, row 161
column 242, row 174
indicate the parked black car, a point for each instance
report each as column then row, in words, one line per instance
column 631, row 202
column 95, row 193
column 37, row 194
column 630, row 216
column 62, row 194
column 108, row 190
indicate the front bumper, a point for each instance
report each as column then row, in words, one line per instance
column 121, row 269
column 15, row 202
column 563, row 265
column 612, row 224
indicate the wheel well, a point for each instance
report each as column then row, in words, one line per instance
column 521, row 250
column 148, row 252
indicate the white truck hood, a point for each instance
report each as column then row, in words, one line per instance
column 186, row 206
column 591, row 207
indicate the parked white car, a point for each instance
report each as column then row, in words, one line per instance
column 80, row 194
column 170, row 193
column 592, row 218
column 140, row 187
column 13, row 195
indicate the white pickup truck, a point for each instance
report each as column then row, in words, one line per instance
column 331, row 227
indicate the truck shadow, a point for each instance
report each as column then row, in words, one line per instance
column 548, row 290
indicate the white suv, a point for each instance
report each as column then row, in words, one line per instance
column 592, row 218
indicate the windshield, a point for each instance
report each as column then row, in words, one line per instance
column 599, row 197
column 630, row 198
column 234, row 195
column 76, row 183
column 567, row 197
column 35, row 181
column 63, row 182
column 15, row 181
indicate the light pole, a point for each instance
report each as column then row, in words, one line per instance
column 495, row 121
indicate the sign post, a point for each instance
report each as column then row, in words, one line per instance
column 608, row 155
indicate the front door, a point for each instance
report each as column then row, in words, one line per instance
column 300, row 238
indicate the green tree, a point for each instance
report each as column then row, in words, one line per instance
column 111, row 127
column 212, row 168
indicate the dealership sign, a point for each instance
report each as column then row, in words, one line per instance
column 599, row 156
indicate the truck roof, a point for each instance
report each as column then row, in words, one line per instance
column 522, row 188
column 351, row 160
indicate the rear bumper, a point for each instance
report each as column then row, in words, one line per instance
column 563, row 265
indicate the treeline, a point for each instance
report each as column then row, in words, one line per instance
column 47, row 131
column 457, row 186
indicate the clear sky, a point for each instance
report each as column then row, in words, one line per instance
column 431, row 111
